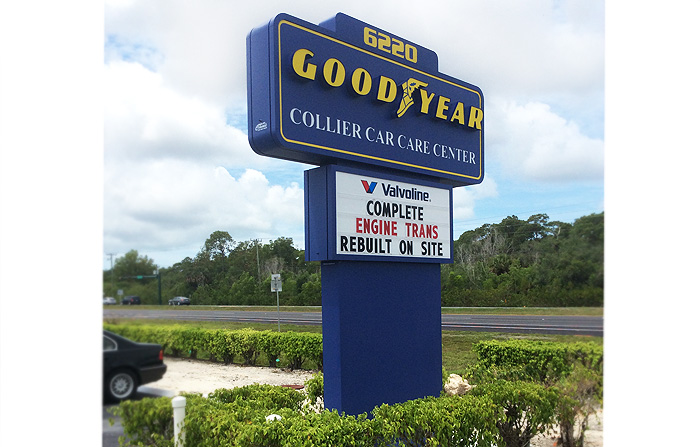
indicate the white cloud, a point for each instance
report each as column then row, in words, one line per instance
column 166, row 179
column 146, row 119
column 530, row 141
column 174, row 204
column 464, row 199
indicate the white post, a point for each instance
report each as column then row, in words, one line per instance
column 179, row 403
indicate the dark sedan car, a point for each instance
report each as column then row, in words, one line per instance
column 179, row 301
column 128, row 364
column 131, row 299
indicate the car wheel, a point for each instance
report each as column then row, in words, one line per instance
column 120, row 385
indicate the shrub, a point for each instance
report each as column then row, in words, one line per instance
column 220, row 345
column 545, row 362
column 444, row 421
column 227, row 345
column 581, row 395
column 300, row 346
column 522, row 409
column 314, row 387
column 271, row 346
column 262, row 397
column 573, row 371
column 146, row 422
column 247, row 344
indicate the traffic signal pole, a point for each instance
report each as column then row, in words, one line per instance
column 157, row 275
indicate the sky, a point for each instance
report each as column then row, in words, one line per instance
column 178, row 165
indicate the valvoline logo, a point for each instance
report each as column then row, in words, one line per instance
column 369, row 187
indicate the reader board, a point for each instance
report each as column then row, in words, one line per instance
column 347, row 92
column 356, row 214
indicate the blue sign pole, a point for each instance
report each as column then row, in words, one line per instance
column 381, row 333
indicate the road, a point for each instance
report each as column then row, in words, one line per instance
column 526, row 324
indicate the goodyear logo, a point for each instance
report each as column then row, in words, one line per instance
column 333, row 73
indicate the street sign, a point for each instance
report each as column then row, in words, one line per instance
column 276, row 283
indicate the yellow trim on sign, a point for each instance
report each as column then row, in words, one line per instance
column 303, row 143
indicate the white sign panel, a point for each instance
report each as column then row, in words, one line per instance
column 379, row 217
column 276, row 282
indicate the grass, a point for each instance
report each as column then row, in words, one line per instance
column 456, row 345
column 229, row 325
column 551, row 311
column 569, row 311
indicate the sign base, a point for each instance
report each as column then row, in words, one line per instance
column 382, row 339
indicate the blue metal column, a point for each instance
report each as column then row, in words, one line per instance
column 381, row 333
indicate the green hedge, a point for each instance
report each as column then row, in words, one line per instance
column 237, row 418
column 244, row 345
column 444, row 421
column 522, row 388
column 545, row 362
column 566, row 379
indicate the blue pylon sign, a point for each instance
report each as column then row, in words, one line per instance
column 392, row 137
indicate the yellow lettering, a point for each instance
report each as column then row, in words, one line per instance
column 442, row 107
column 334, row 72
column 458, row 114
column 387, row 89
column 425, row 100
column 476, row 115
column 361, row 81
column 304, row 70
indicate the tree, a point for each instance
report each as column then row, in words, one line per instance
column 218, row 246
column 131, row 264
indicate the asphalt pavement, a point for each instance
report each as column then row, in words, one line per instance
column 526, row 324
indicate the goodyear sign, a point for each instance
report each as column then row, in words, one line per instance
column 349, row 92
column 359, row 215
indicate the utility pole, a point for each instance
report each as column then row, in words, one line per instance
column 111, row 266
column 157, row 274
column 257, row 255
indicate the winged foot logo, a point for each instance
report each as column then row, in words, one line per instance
column 407, row 100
